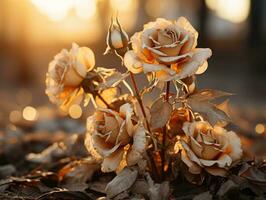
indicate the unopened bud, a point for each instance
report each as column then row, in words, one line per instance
column 117, row 39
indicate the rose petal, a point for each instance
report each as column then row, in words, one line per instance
column 88, row 139
column 157, row 67
column 84, row 59
column 101, row 146
column 209, row 152
column 111, row 127
column 72, row 77
column 114, row 113
column 223, row 161
column 159, row 23
column 116, row 38
column 190, row 153
column 132, row 62
column 164, row 38
column 235, row 143
column 122, row 137
column 196, row 147
column 171, row 50
column 75, row 97
column 139, row 143
column 154, row 51
column 163, row 76
column 137, row 46
column 127, row 110
column 202, row 68
column 216, row 171
column 111, row 162
column 192, row 167
column 170, row 60
column 190, row 67
column 184, row 23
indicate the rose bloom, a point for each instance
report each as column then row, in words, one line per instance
column 167, row 48
column 213, row 149
column 114, row 138
column 65, row 74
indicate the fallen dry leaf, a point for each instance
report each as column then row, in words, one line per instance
column 203, row 196
column 253, row 174
column 75, row 175
column 123, row 181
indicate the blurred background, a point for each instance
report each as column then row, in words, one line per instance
column 33, row 31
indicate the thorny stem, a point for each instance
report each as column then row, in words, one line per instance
column 153, row 165
column 166, row 98
column 139, row 100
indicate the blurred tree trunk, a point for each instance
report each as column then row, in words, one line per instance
column 203, row 15
column 256, row 19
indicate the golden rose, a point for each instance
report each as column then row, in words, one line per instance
column 167, row 48
column 114, row 137
column 65, row 74
column 213, row 149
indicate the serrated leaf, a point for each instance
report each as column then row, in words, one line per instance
column 209, row 95
column 123, row 181
column 160, row 113
column 209, row 110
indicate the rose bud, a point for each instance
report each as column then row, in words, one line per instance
column 117, row 39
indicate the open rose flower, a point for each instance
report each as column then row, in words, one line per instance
column 167, row 48
column 212, row 149
column 115, row 138
column 65, row 74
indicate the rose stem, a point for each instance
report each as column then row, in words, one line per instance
column 166, row 98
column 154, row 168
column 139, row 100
column 103, row 100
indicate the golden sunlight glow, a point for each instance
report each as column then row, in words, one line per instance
column 155, row 8
column 85, row 9
column 127, row 9
column 121, row 5
column 259, row 128
column 75, row 111
column 58, row 10
column 29, row 113
column 235, row 11
column 55, row 10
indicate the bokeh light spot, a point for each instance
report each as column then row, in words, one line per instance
column 259, row 128
column 75, row 111
column 29, row 113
